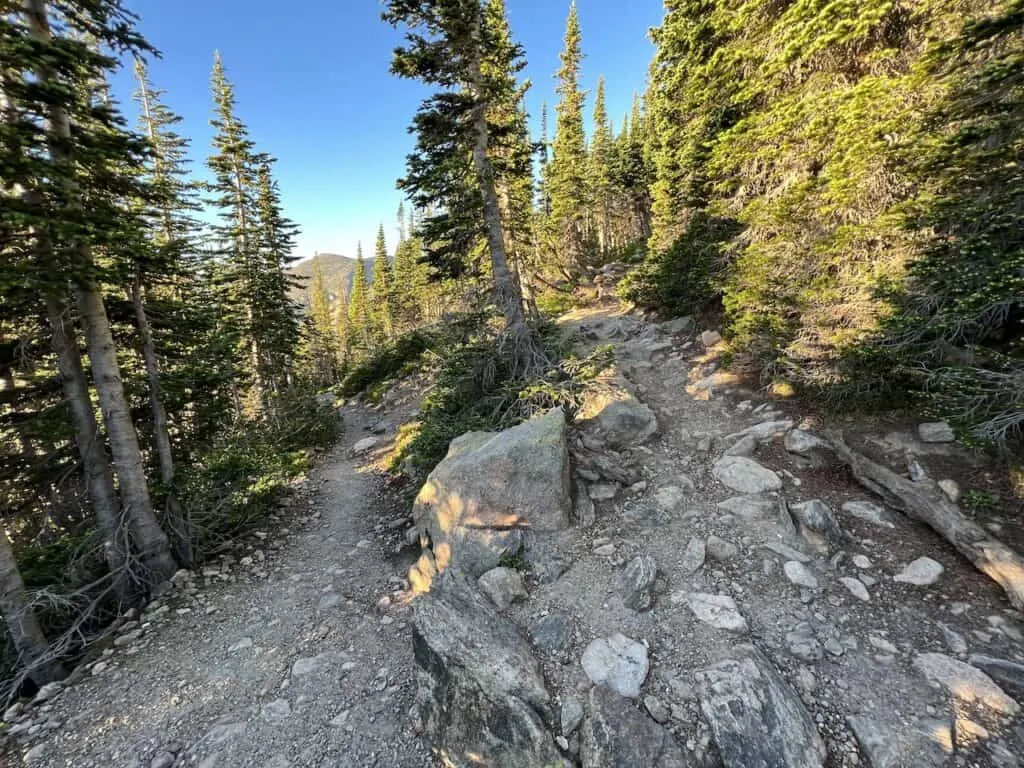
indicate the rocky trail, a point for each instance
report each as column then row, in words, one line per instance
column 285, row 653
column 716, row 590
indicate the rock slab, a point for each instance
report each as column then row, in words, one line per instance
column 618, row 662
column 903, row 745
column 718, row 611
column 480, row 690
column 617, row 735
column 756, row 718
column 478, row 503
column 965, row 682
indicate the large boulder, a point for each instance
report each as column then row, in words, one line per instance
column 481, row 697
column 618, row 735
column 479, row 502
column 756, row 718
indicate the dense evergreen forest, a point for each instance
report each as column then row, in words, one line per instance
column 840, row 180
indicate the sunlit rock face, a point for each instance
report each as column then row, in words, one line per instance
column 491, row 490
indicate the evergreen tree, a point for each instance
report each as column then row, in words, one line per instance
column 600, row 177
column 359, row 320
column 382, row 309
column 567, row 176
column 323, row 342
column 450, row 44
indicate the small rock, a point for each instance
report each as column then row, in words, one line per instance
column 817, row 516
column 871, row 513
column 954, row 640
column 800, row 574
column 916, row 471
column 618, row 662
column 936, row 432
column 657, row 709
column 306, row 666
column 605, row 550
column 276, row 710
column 951, row 488
column 638, row 583
column 503, row 586
column 803, row 644
column 745, row 475
column 745, row 446
column 241, row 645
column 100, row 667
column 922, row 572
column 693, row 557
column 750, row 509
column 804, row 443
column 128, row 638
column 36, row 754
column 586, row 514
column 551, row 633
column 163, row 760
column 720, row 549
column 862, row 561
column 603, row 491
column 857, row 589
column 48, row 692
column 339, row 720
column 365, row 445
column 787, row 552
column 710, row 338
column 718, row 611
column 571, row 714
column 13, row 712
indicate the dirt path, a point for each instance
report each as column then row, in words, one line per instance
column 278, row 657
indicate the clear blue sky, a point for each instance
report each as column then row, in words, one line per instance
column 313, row 86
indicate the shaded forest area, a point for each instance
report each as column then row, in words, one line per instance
column 841, row 178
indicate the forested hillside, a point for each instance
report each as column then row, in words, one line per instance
column 841, row 181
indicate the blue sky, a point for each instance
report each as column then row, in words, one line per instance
column 313, row 86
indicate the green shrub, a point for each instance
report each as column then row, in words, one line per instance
column 394, row 359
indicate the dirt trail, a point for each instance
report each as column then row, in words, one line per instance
column 281, row 659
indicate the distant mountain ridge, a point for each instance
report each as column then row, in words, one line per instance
column 338, row 272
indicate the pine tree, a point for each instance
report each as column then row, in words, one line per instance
column 79, row 170
column 449, row 44
column 567, row 175
column 600, row 181
column 382, row 309
column 359, row 320
column 324, row 341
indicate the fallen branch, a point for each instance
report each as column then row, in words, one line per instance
column 926, row 502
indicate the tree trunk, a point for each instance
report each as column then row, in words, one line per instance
column 22, row 624
column 926, row 502
column 95, row 463
column 176, row 517
column 507, row 291
column 149, row 539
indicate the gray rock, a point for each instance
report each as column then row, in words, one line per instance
column 618, row 662
column 857, row 589
column 1009, row 674
column 37, row 754
column 308, row 665
column 953, row 639
column 745, row 446
column 765, row 430
column 936, row 432
column 951, row 488
column 328, row 601
column 800, row 574
column 803, row 443
column 618, row 418
column 617, row 735
column 586, row 513
column 720, row 549
column 603, row 491
column 638, row 583
column 552, row 633
column 816, row 517
column 745, row 475
column 657, row 709
column 889, row 744
column 718, row 611
column 693, row 557
column 241, row 645
column 503, row 585
column 862, row 561
column 964, row 682
column 276, row 710
column 803, row 644
column 679, row 325
column 750, row 509
column 871, row 513
column 481, row 692
column 571, row 715
column 364, row 446
column 921, row 573
column 710, row 338
column 48, row 692
column 478, row 502
column 128, row 637
column 789, row 553
column 756, row 718
column 162, row 760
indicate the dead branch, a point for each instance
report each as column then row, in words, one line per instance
column 926, row 502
